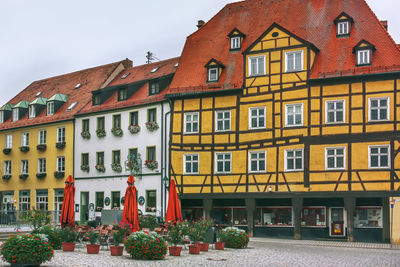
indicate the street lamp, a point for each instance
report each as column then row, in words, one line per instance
column 166, row 182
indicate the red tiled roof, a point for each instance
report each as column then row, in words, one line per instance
column 311, row 20
column 90, row 79
column 141, row 96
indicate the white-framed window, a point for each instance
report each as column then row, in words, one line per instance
column 24, row 167
column 8, row 141
column 60, row 134
column 257, row 161
column 379, row 109
column 24, row 200
column 191, row 122
column 42, row 199
column 32, row 111
column 257, row 65
column 191, row 163
column 379, row 156
column 42, row 165
column 213, row 74
column 61, row 164
column 334, row 111
column 364, row 57
column 25, row 139
column 223, row 162
column 235, row 42
column 294, row 61
column 294, row 115
column 257, row 118
column 50, row 108
column 1, row 116
column 223, row 120
column 7, row 167
column 343, row 28
column 335, row 158
column 293, row 159
column 42, row 137
column 15, row 114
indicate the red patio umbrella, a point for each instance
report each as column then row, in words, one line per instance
column 174, row 213
column 130, row 214
column 67, row 217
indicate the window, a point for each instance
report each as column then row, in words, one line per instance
column 24, row 167
column 116, row 157
column 42, row 165
column 85, row 159
column 363, row 57
column 152, row 115
column 223, row 162
column 133, row 152
column 191, row 122
column 15, row 114
column 8, row 141
column 257, row 118
column 25, row 139
column 100, row 123
column 213, row 74
column 229, row 215
column 117, row 121
column 60, row 134
column 334, row 111
column 122, row 94
column 313, row 216
column 85, row 125
column 134, row 118
column 191, row 163
column 96, row 100
column 274, row 216
column 61, row 164
column 223, row 120
column 100, row 158
column 7, row 167
column 72, row 106
column 154, row 88
column 151, row 200
column 42, row 200
column 50, row 108
column 24, row 200
column 379, row 109
column 32, row 112
column 235, row 42
column 294, row 61
column 368, row 217
column 257, row 65
column 99, row 201
column 42, row 137
column 58, row 201
column 343, row 28
column 334, row 158
column 294, row 115
column 115, row 199
column 257, row 161
column 379, row 156
column 1, row 116
column 151, row 153
column 294, row 160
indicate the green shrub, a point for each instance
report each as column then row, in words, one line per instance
column 204, row 225
column 36, row 218
column 176, row 232
column 117, row 237
column 147, row 221
column 233, row 237
column 27, row 249
column 52, row 233
column 92, row 237
column 146, row 246
column 194, row 232
column 68, row 235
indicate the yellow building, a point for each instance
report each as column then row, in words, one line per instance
column 288, row 127
column 37, row 138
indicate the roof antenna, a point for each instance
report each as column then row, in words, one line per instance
column 150, row 57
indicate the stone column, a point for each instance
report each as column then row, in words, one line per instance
column 386, row 220
column 297, row 203
column 350, row 205
column 207, row 206
column 251, row 209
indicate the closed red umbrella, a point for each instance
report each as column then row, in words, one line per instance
column 130, row 215
column 174, row 213
column 67, row 217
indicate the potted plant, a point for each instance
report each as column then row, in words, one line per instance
column 176, row 235
column 152, row 126
column 220, row 245
column 58, row 174
column 23, row 176
column 195, row 236
column 24, row 148
column 100, row 168
column 235, row 238
column 41, row 147
column 117, row 238
column 7, row 151
column 100, row 133
column 6, row 177
column 151, row 164
column 134, row 128
column 146, row 246
column 204, row 225
column 52, row 233
column 116, row 167
column 93, row 238
column 85, row 168
column 85, row 134
column 41, row 175
column 60, row 144
column 117, row 132
column 68, row 237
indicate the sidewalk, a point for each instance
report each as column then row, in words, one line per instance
column 317, row 243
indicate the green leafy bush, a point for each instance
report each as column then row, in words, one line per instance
column 36, row 218
column 204, row 225
column 146, row 246
column 147, row 221
column 233, row 237
column 176, row 232
column 68, row 235
column 52, row 233
column 92, row 237
column 27, row 249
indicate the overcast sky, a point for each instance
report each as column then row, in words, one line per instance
column 45, row 38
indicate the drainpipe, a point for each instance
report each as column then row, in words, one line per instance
column 165, row 158
column 162, row 157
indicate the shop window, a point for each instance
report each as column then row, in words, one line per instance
column 192, row 213
column 274, row 216
column 115, row 200
column 313, row 216
column 99, row 201
column 368, row 217
column 229, row 215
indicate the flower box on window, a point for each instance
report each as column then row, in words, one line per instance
column 41, row 175
column 85, row 134
column 60, row 144
column 101, row 133
column 23, row 176
column 133, row 165
column 116, row 167
column 58, row 174
column 134, row 128
column 85, row 168
column 100, row 168
column 151, row 164
column 41, row 147
column 7, row 151
column 151, row 209
column 24, row 148
column 152, row 126
column 117, row 132
column 6, row 177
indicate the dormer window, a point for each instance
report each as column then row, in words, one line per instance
column 32, row 112
column 343, row 28
column 15, row 114
column 1, row 116
column 213, row 74
column 122, row 94
column 363, row 51
column 235, row 43
column 96, row 100
column 236, row 38
column 363, row 57
column 214, row 69
column 154, row 88
column 343, row 24
column 50, row 108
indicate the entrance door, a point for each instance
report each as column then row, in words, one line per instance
column 337, row 225
column 84, row 207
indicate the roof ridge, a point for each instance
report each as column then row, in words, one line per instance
column 158, row 62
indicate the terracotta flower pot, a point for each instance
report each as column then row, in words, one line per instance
column 204, row 246
column 93, row 249
column 66, row 246
column 194, row 249
column 116, row 250
column 175, row 250
column 219, row 245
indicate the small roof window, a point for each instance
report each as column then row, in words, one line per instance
column 343, row 24
column 364, row 51
column 236, row 39
column 77, row 86
column 176, row 65
column 72, row 106
column 154, row 70
column 38, row 94
column 125, row 75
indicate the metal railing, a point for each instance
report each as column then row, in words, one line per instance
column 16, row 218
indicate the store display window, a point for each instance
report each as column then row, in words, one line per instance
column 313, row 216
column 274, row 216
column 368, row 217
column 229, row 215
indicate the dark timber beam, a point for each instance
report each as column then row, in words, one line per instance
column 297, row 203
column 350, row 205
column 207, row 207
column 251, row 209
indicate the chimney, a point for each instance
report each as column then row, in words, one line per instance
column 200, row 23
column 384, row 24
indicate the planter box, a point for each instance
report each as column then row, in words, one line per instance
column 60, row 145
column 116, row 250
column 24, row 149
column 219, row 245
column 194, row 249
column 7, row 151
column 93, row 249
column 204, row 246
column 41, row 147
column 175, row 251
column 68, row 246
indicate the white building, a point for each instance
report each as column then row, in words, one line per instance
column 128, row 117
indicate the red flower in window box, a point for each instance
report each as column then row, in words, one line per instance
column 151, row 164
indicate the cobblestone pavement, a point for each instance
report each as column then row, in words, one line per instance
column 259, row 253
